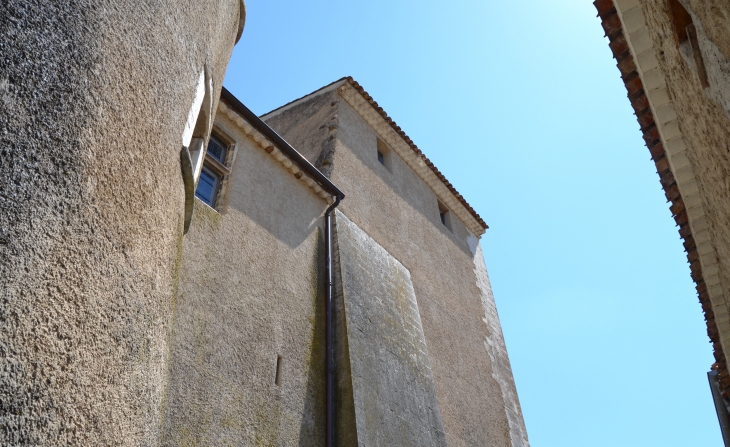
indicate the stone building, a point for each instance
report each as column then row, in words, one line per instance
column 175, row 270
column 419, row 357
column 674, row 58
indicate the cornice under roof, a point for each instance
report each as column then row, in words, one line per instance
column 277, row 147
column 369, row 109
column 423, row 166
column 633, row 48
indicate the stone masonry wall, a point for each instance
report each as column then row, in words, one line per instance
column 310, row 126
column 393, row 395
column 703, row 114
column 251, row 290
column 494, row 342
column 400, row 212
column 94, row 96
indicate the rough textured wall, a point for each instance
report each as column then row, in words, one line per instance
column 714, row 17
column 703, row 114
column 393, row 395
column 250, row 290
column 93, row 100
column 497, row 349
column 400, row 212
column 309, row 126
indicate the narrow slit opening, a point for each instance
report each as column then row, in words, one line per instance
column 445, row 215
column 279, row 362
column 384, row 155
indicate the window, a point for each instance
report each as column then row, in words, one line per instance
column 207, row 189
column 213, row 172
column 217, row 149
column 445, row 215
column 384, row 155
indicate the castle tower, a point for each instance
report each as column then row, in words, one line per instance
column 98, row 101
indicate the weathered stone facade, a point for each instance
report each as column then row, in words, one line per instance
column 247, row 354
column 388, row 374
column 132, row 313
column 674, row 57
column 94, row 97
column 250, row 292
column 396, row 203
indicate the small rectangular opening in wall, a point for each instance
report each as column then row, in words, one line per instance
column 279, row 361
column 445, row 215
column 681, row 19
column 384, row 155
column 208, row 186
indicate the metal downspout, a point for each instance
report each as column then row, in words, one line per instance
column 329, row 348
column 720, row 407
column 322, row 180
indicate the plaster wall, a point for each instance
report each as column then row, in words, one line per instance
column 399, row 211
column 94, row 97
column 310, row 128
column 250, row 290
column 703, row 114
column 383, row 364
column 714, row 17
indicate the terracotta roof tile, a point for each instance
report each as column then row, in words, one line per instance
column 619, row 46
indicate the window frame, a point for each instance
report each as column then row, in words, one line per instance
column 216, row 186
column 217, row 168
column 224, row 145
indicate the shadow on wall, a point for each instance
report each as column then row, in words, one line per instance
column 273, row 198
column 291, row 227
column 313, row 415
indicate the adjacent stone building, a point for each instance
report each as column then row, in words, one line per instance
column 175, row 270
column 674, row 57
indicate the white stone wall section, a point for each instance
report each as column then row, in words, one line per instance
column 497, row 350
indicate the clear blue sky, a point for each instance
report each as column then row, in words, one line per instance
column 521, row 106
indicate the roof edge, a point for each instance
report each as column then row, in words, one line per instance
column 320, row 91
column 267, row 132
column 649, row 97
column 420, row 155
